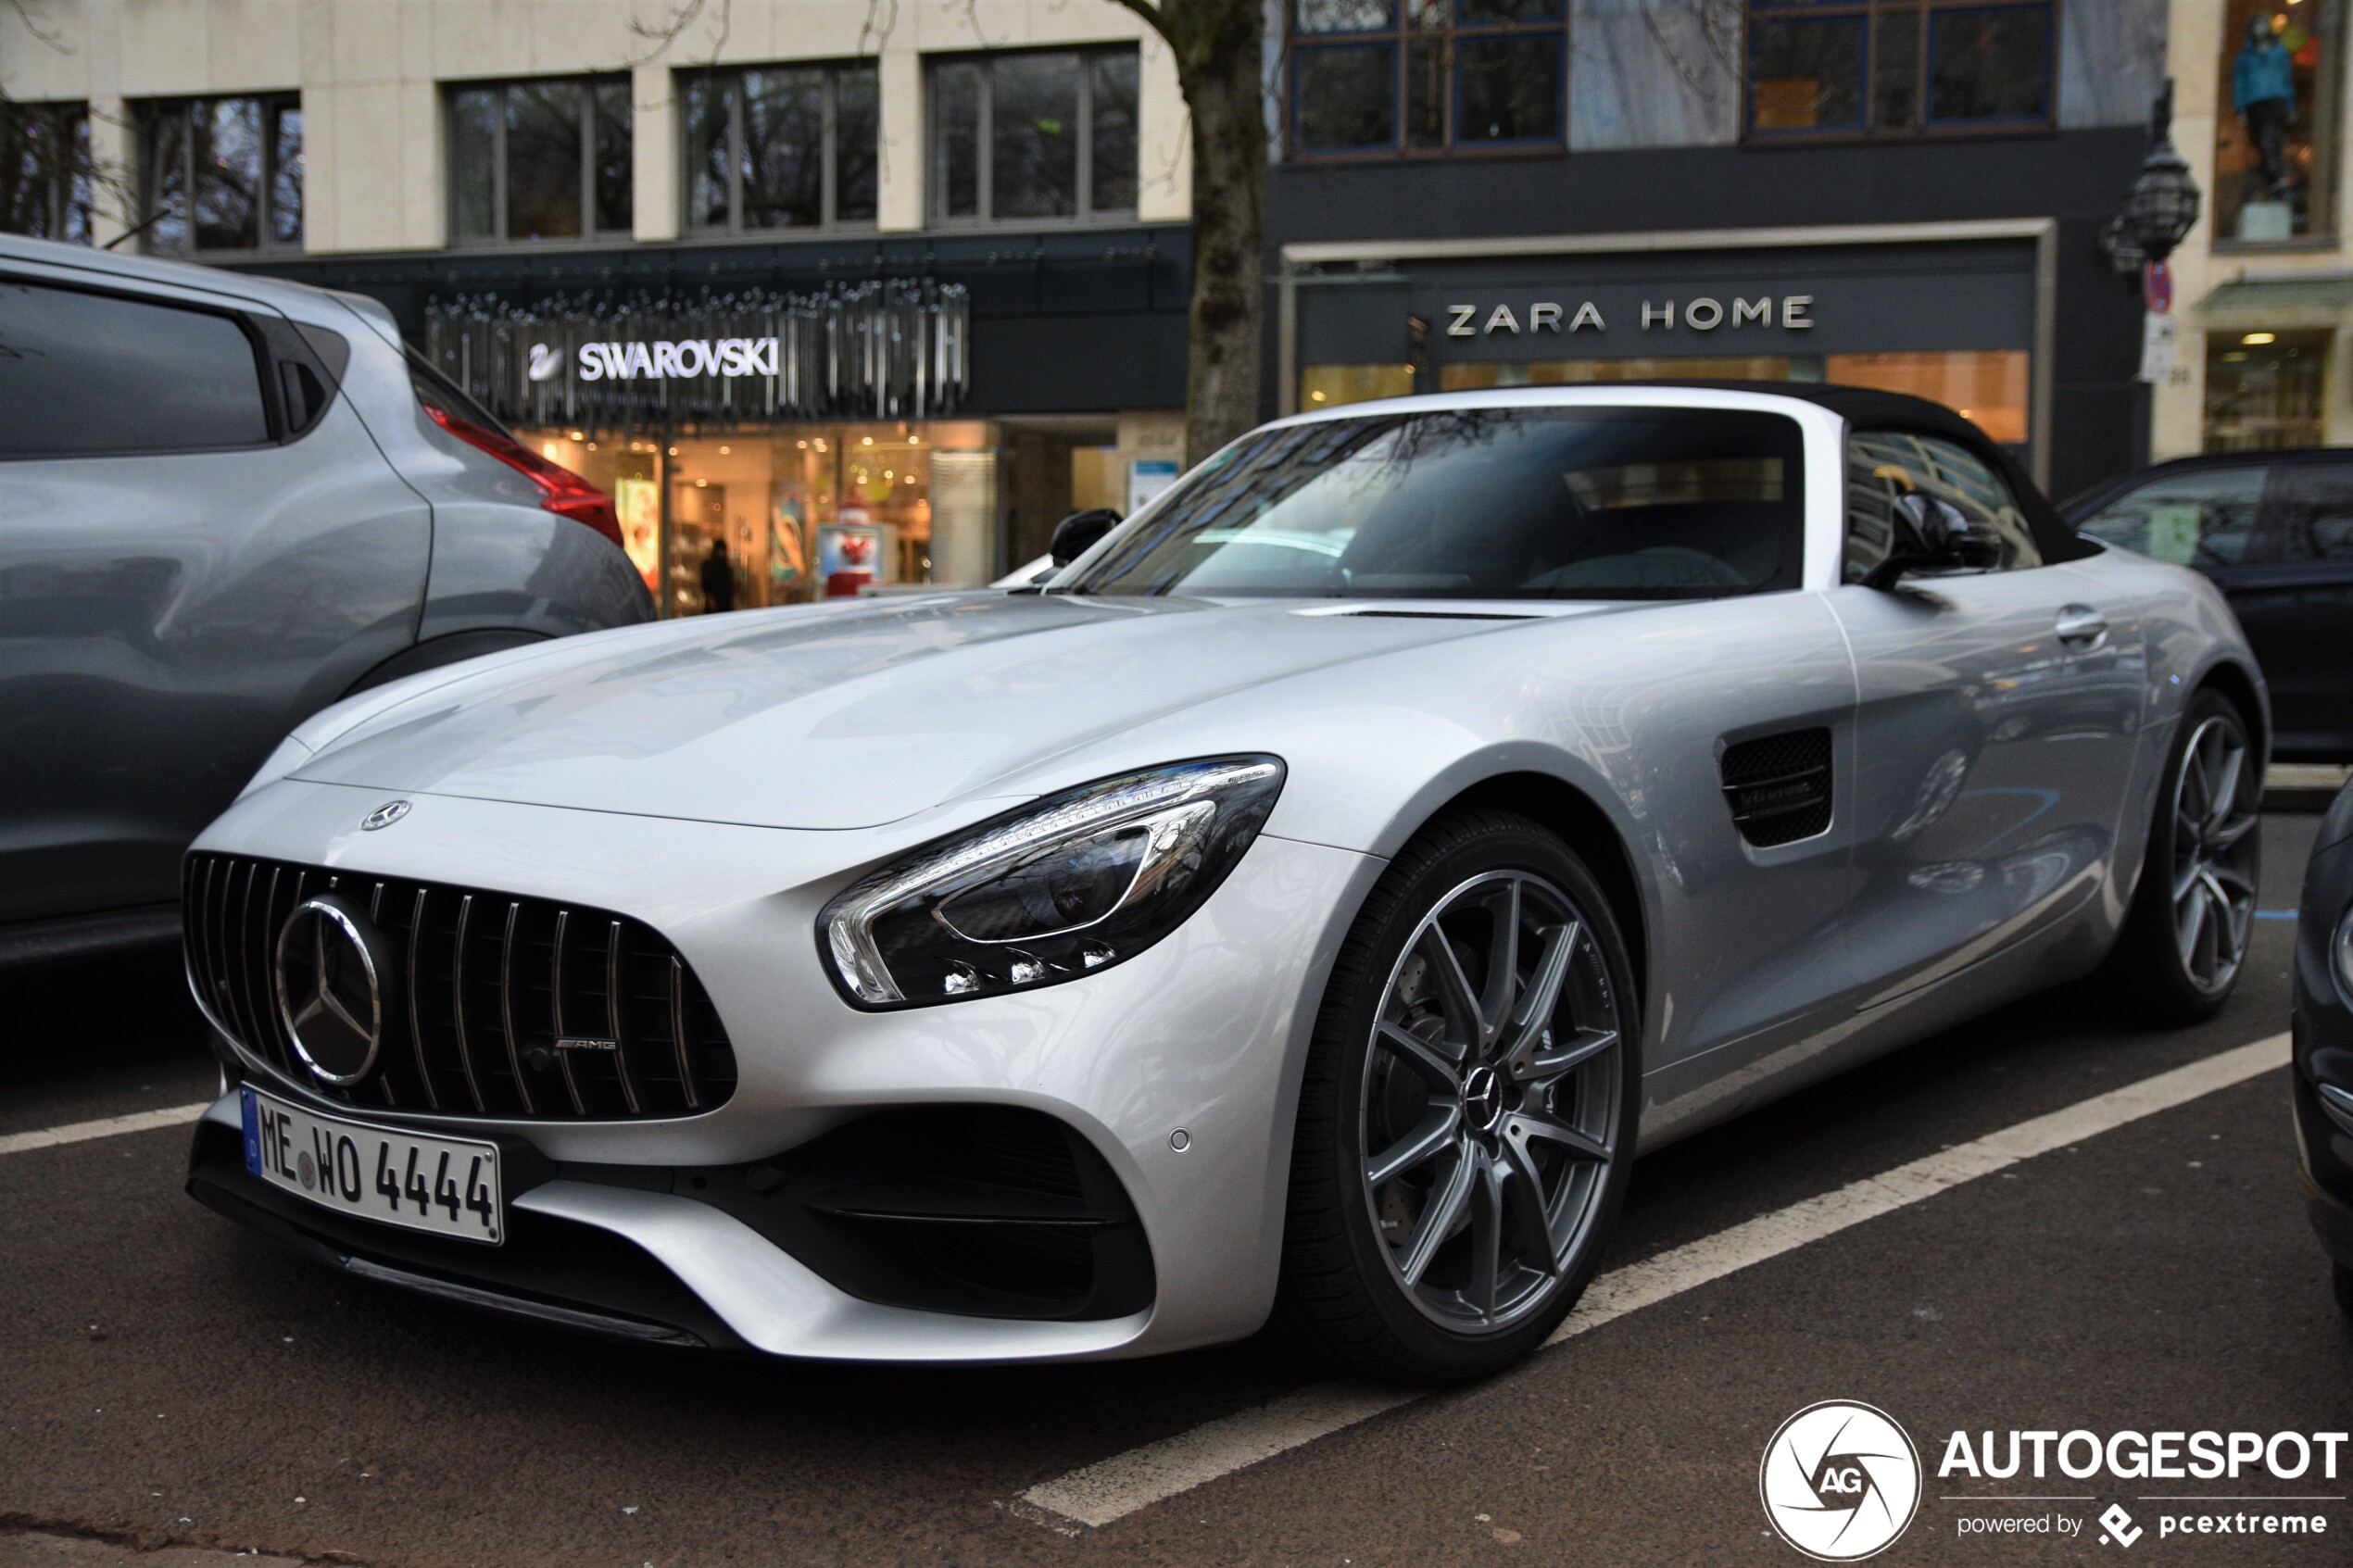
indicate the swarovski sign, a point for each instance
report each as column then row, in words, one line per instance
column 662, row 358
column 894, row 348
column 1702, row 313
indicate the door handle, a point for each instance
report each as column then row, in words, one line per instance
column 2082, row 628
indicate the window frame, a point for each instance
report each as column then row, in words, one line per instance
column 1924, row 126
column 148, row 116
column 1400, row 35
column 830, row 220
column 1085, row 213
column 70, row 192
column 498, row 239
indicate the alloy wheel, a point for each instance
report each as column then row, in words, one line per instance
column 1488, row 1102
column 2213, row 885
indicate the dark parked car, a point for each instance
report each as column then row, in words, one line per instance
column 2274, row 531
column 2324, row 1040
column 225, row 503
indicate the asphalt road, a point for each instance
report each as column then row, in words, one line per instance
column 166, row 1381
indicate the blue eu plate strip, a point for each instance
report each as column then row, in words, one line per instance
column 253, row 1130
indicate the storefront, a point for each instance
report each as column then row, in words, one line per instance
column 766, row 447
column 1956, row 312
column 2276, row 351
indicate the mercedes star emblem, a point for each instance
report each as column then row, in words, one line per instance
column 329, row 994
column 383, row 816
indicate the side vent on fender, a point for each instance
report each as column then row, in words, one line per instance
column 1778, row 786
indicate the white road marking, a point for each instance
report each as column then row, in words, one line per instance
column 1112, row 1489
column 105, row 1128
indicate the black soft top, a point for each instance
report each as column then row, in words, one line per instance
column 1868, row 408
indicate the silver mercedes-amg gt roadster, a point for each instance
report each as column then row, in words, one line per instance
column 1300, row 910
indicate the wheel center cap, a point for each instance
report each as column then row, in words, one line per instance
column 1482, row 1099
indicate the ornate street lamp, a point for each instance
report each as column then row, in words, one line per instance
column 2163, row 203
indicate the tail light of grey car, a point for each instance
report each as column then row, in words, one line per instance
column 560, row 490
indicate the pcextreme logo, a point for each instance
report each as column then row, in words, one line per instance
column 1840, row 1481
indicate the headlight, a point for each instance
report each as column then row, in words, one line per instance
column 1060, row 889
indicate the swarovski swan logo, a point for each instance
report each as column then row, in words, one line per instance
column 383, row 816
column 330, row 996
column 546, row 363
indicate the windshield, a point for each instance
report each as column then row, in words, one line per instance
column 1491, row 504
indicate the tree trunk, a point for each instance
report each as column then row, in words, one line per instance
column 1223, row 90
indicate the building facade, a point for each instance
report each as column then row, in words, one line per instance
column 852, row 292
column 2263, row 285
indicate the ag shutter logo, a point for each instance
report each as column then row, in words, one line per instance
column 1840, row 1481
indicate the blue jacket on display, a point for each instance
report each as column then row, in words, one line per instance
column 2262, row 74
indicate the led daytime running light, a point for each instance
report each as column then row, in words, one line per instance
column 1179, row 807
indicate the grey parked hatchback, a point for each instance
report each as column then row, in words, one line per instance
column 226, row 502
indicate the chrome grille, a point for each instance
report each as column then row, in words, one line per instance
column 496, row 1006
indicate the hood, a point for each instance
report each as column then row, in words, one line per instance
column 847, row 715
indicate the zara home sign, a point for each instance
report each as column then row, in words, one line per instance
column 1788, row 312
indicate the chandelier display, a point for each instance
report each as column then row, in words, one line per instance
column 870, row 350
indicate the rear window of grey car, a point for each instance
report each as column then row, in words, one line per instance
column 86, row 374
column 1571, row 503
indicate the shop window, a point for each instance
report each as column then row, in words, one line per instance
column 1879, row 68
column 750, row 517
column 220, row 174
column 2264, row 390
column 1426, row 76
column 1030, row 137
column 1328, row 386
column 543, row 159
column 1477, row 376
column 46, row 189
column 2278, row 137
column 1985, row 386
column 781, row 147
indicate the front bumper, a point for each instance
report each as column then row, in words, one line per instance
column 1204, row 1034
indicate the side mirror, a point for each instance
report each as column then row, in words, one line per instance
column 1931, row 534
column 1076, row 534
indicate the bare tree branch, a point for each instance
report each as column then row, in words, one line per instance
column 662, row 35
column 24, row 14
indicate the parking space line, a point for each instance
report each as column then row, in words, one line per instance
column 105, row 1128
column 1110, row 1490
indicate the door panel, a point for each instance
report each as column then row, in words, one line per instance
column 1993, row 758
column 164, row 619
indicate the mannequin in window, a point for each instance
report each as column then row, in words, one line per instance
column 2263, row 90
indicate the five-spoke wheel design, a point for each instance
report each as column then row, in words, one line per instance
column 2214, row 801
column 1488, row 1109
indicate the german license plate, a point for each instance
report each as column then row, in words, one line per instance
column 446, row 1186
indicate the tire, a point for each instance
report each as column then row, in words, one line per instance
column 2184, row 945
column 2343, row 1279
column 1476, row 1099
